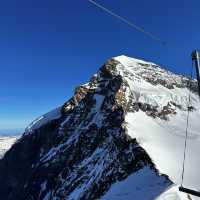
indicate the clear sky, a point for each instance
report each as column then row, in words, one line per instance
column 49, row 47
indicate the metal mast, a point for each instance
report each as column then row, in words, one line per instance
column 195, row 59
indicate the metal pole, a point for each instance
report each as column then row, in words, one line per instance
column 189, row 191
column 195, row 58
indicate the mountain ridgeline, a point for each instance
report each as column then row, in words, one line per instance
column 81, row 149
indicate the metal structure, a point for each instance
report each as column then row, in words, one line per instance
column 195, row 60
column 189, row 191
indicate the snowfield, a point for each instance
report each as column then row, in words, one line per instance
column 137, row 186
column 144, row 185
column 5, row 143
column 42, row 120
column 165, row 145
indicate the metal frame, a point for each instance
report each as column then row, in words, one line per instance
column 189, row 191
column 195, row 58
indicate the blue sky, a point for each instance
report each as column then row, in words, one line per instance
column 49, row 47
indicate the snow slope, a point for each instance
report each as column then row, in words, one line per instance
column 144, row 185
column 165, row 144
column 5, row 143
column 140, row 185
column 42, row 120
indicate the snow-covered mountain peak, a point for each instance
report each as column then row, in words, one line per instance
column 144, row 69
column 100, row 139
column 156, row 87
column 143, row 83
column 128, row 61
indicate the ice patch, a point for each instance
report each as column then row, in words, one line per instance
column 42, row 120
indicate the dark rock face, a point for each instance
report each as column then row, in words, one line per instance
column 16, row 166
column 86, row 149
column 152, row 111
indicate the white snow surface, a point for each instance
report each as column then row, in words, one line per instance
column 162, row 140
column 144, row 184
column 5, row 143
column 42, row 120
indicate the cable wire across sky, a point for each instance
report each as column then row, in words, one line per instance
column 131, row 24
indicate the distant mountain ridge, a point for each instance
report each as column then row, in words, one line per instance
column 9, row 132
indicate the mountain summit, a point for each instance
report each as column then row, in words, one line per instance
column 114, row 139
